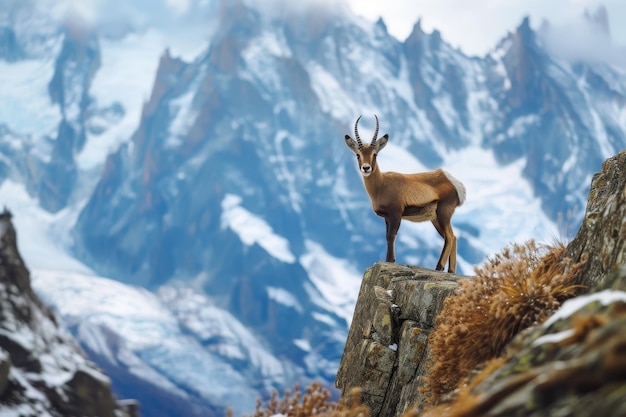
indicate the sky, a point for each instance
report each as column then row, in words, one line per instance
column 477, row 26
column 473, row 26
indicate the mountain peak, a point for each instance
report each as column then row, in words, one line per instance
column 417, row 28
column 599, row 20
column 524, row 28
column 380, row 23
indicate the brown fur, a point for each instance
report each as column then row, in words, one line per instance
column 427, row 196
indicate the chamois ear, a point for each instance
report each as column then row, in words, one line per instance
column 351, row 143
column 380, row 144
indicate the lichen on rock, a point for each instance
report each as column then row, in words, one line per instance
column 386, row 346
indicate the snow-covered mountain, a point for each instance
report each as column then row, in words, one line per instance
column 43, row 372
column 198, row 162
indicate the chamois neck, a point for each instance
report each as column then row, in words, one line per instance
column 373, row 181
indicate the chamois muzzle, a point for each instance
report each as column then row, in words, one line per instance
column 366, row 169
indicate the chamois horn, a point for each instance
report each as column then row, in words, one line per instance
column 373, row 144
column 356, row 133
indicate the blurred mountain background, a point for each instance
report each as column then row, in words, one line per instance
column 185, row 201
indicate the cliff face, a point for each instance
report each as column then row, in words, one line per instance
column 386, row 351
column 572, row 364
column 43, row 372
column 602, row 235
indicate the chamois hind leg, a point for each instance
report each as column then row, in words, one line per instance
column 393, row 224
column 439, row 266
column 444, row 227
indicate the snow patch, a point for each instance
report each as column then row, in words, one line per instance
column 398, row 159
column 251, row 229
column 333, row 99
column 336, row 280
column 554, row 337
column 324, row 318
column 500, row 203
column 571, row 306
column 303, row 344
column 185, row 117
column 284, row 297
column 128, row 85
column 521, row 125
column 26, row 107
column 44, row 237
column 261, row 57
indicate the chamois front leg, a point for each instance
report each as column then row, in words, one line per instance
column 393, row 224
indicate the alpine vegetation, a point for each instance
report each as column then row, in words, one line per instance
column 315, row 401
column 426, row 196
column 520, row 287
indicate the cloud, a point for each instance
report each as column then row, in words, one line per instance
column 476, row 27
column 136, row 13
column 300, row 8
column 583, row 40
column 178, row 6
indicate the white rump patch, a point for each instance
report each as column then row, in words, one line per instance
column 460, row 188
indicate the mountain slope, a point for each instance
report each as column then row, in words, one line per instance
column 563, row 116
column 130, row 332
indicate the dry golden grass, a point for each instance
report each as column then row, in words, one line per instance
column 596, row 336
column 521, row 286
column 313, row 403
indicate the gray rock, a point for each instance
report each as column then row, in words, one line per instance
column 387, row 343
column 602, row 235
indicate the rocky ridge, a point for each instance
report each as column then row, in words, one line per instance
column 43, row 372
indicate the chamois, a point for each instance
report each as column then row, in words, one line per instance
column 416, row 197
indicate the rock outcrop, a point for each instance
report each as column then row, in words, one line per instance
column 386, row 350
column 573, row 364
column 43, row 372
column 602, row 235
